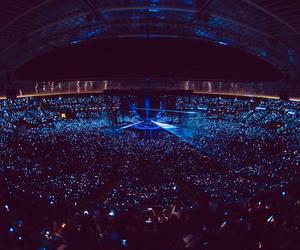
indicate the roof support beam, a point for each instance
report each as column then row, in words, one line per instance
column 17, row 18
column 84, row 13
column 80, row 14
column 206, row 5
column 272, row 15
column 90, row 5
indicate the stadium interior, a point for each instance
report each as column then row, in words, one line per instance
column 149, row 124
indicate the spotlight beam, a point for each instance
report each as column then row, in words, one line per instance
column 170, row 128
column 130, row 125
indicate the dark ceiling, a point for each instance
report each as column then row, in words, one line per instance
column 268, row 29
column 127, row 58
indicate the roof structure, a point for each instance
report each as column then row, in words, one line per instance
column 269, row 29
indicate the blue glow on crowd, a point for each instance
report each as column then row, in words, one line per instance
column 223, row 132
column 85, row 154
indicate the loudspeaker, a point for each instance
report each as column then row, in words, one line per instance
column 11, row 94
column 284, row 95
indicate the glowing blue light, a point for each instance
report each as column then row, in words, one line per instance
column 86, row 36
column 260, row 108
column 223, row 43
column 164, row 125
column 130, row 125
column 11, row 229
column 202, row 33
column 111, row 213
column 189, row 2
column 182, row 133
column 270, row 219
column 147, row 107
column 123, row 243
column 261, row 52
column 153, row 10
column 75, row 42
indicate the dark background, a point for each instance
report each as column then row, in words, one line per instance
column 125, row 58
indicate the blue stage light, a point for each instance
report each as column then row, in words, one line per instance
column 123, row 242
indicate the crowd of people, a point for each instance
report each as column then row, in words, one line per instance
column 76, row 175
